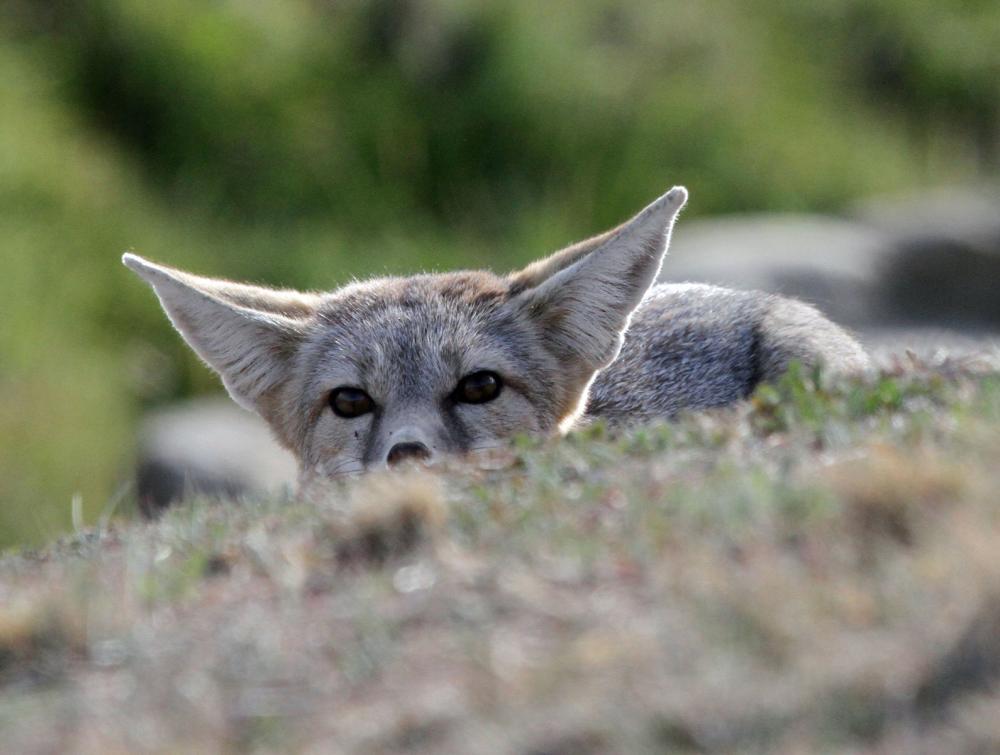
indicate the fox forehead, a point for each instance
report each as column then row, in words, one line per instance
column 411, row 334
column 465, row 287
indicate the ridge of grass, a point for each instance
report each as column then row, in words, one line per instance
column 815, row 570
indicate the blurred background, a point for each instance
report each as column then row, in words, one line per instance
column 304, row 142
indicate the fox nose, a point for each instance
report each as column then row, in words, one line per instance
column 409, row 451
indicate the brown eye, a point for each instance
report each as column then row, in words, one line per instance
column 350, row 402
column 478, row 388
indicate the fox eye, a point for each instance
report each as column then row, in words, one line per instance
column 478, row 388
column 350, row 402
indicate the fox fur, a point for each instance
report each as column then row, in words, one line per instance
column 584, row 333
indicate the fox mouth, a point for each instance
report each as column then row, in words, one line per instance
column 493, row 456
column 342, row 470
column 487, row 457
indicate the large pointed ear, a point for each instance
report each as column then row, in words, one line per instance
column 581, row 299
column 247, row 334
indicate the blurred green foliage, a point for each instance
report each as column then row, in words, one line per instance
column 303, row 142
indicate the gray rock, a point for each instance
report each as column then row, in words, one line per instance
column 830, row 262
column 208, row 446
column 963, row 214
column 945, row 262
column 930, row 259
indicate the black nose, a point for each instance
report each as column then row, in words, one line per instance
column 407, row 452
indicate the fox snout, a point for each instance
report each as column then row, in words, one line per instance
column 407, row 451
column 408, row 443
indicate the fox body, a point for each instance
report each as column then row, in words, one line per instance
column 414, row 368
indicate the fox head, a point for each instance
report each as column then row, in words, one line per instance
column 392, row 369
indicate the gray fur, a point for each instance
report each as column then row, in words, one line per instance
column 580, row 330
column 693, row 346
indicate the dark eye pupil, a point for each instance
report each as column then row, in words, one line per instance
column 351, row 402
column 478, row 388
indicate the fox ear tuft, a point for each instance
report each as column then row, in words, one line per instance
column 247, row 334
column 582, row 298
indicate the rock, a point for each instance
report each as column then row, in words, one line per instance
column 830, row 262
column 945, row 262
column 930, row 259
column 965, row 215
column 208, row 446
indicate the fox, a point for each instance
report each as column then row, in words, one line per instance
column 415, row 369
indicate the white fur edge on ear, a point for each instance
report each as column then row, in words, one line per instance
column 654, row 222
column 658, row 216
column 155, row 274
column 146, row 269
column 594, row 293
column 540, row 270
column 297, row 305
column 594, row 297
column 238, row 342
column 672, row 201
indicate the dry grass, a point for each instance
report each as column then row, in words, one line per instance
column 816, row 571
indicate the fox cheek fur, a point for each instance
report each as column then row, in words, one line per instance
column 547, row 339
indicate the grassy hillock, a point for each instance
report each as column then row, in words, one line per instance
column 814, row 571
column 303, row 143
